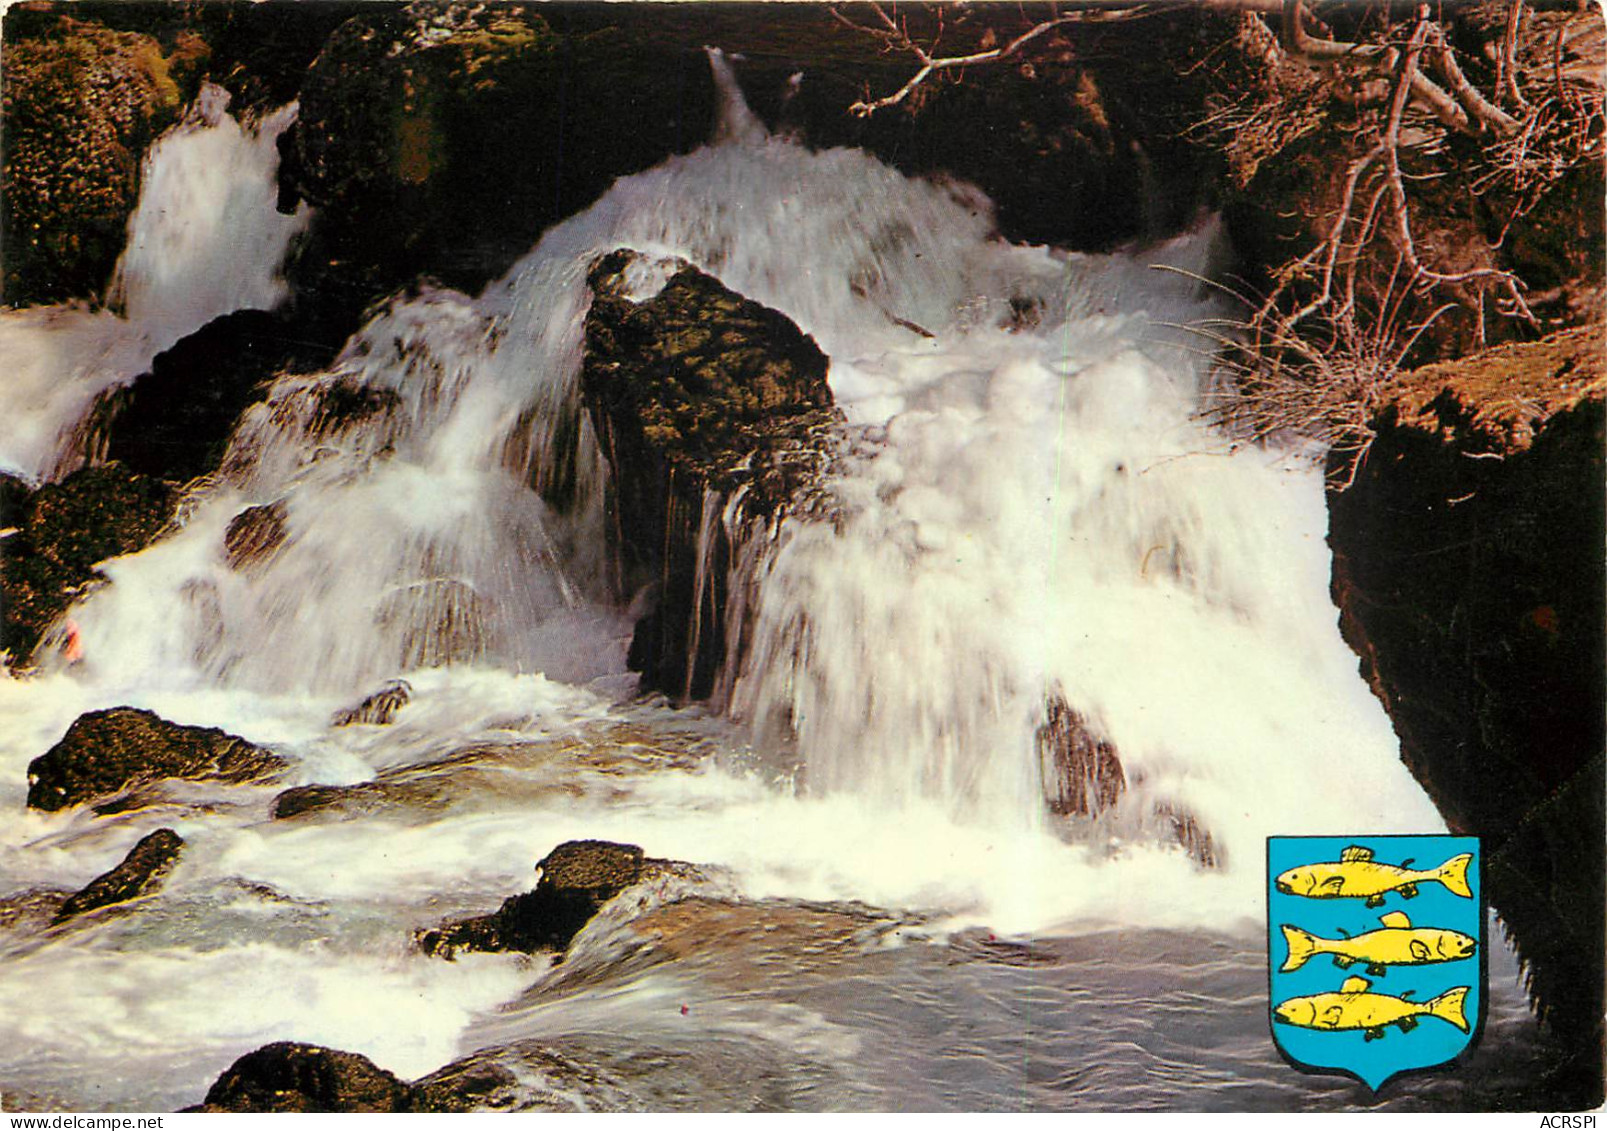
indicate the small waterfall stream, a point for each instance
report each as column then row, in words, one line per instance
column 204, row 240
column 1027, row 505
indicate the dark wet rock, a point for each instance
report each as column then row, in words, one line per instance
column 81, row 104
column 1469, row 575
column 343, row 404
column 1081, row 773
column 287, row 1076
column 174, row 422
column 107, row 751
column 66, row 528
column 14, row 495
column 254, row 534
column 140, row 873
column 577, row 878
column 481, row 1082
column 379, row 708
column 402, row 104
column 695, row 394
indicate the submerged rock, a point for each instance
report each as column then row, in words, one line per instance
column 64, row 530
column 141, row 872
column 32, row 908
column 362, row 799
column 254, row 535
column 697, row 395
column 1469, row 575
column 577, row 878
column 379, row 708
column 1081, row 774
column 287, row 1076
column 486, row 1081
column 107, row 751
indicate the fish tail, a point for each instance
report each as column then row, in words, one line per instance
column 1301, row 947
column 1449, row 1007
column 1454, row 875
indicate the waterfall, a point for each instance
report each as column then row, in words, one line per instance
column 1028, row 510
column 204, row 240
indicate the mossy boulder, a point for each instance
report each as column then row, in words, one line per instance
column 403, row 105
column 81, row 103
column 64, row 530
column 694, row 393
column 106, row 752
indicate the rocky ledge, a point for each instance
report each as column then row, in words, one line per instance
column 1468, row 571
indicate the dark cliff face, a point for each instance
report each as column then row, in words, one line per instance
column 1468, row 570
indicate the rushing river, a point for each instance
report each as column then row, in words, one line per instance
column 889, row 915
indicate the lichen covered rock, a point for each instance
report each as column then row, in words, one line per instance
column 81, row 104
column 105, row 752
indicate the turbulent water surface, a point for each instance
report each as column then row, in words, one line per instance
column 1027, row 503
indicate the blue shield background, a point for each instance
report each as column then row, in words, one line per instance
column 1433, row 1041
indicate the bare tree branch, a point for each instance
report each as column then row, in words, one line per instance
column 895, row 36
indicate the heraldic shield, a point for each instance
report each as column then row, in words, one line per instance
column 1375, row 951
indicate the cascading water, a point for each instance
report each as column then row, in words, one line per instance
column 1026, row 505
column 204, row 240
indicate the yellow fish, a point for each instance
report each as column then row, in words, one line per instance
column 1352, row 1007
column 1397, row 943
column 1356, row 875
